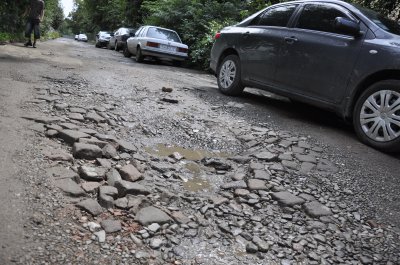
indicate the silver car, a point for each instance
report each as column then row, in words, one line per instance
column 156, row 42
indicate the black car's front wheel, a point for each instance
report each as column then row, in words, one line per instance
column 116, row 46
column 126, row 52
column 228, row 76
column 376, row 116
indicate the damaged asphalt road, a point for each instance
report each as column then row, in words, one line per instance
column 105, row 160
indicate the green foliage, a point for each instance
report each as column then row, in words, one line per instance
column 13, row 22
column 196, row 21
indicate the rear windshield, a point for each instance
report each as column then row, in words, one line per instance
column 163, row 34
column 381, row 21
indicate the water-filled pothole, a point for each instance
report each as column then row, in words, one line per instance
column 189, row 154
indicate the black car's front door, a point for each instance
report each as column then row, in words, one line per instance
column 317, row 60
column 261, row 42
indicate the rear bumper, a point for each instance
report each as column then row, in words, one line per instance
column 164, row 55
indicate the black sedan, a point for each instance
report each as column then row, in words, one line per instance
column 332, row 54
column 119, row 37
column 102, row 39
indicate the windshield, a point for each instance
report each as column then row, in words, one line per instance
column 163, row 34
column 380, row 20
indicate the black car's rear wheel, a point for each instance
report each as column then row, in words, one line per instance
column 126, row 52
column 116, row 46
column 228, row 76
column 139, row 55
column 376, row 116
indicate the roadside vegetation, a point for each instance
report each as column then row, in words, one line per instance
column 13, row 23
column 196, row 21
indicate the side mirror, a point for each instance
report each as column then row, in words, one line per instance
column 347, row 26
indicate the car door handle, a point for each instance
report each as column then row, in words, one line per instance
column 246, row 34
column 291, row 40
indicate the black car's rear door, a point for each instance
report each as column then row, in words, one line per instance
column 316, row 59
column 261, row 42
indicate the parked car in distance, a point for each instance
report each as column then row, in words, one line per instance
column 118, row 39
column 102, row 39
column 332, row 54
column 76, row 37
column 156, row 42
column 82, row 37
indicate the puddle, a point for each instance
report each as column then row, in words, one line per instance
column 194, row 168
column 189, row 154
column 196, row 184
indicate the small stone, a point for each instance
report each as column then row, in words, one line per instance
column 166, row 89
column 251, row 248
column 170, row 100
column 154, row 227
column 111, row 226
column 149, row 215
column 71, row 136
column 256, row 184
column 125, row 146
column 109, row 151
column 93, row 116
column 70, row 187
column 91, row 186
column 241, row 192
column 60, row 156
column 179, row 217
column 101, row 236
column 91, row 206
column 76, row 116
column 261, row 244
column 366, row 260
column 113, row 177
column 51, row 133
column 104, row 162
column 86, row 151
column 156, row 243
column 240, row 184
column 130, row 173
column 121, row 203
column 107, row 194
column 267, row 156
column 316, row 209
column 93, row 141
column 77, row 110
column 125, row 187
column 90, row 173
column 93, row 226
column 286, row 198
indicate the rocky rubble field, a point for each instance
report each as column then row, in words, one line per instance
column 233, row 194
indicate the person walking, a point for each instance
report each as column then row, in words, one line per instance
column 36, row 14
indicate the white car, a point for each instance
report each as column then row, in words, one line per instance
column 76, row 37
column 82, row 37
column 156, row 42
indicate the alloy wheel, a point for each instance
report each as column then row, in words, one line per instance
column 227, row 74
column 380, row 116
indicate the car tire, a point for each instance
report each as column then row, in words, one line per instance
column 116, row 48
column 177, row 63
column 229, row 76
column 126, row 52
column 377, row 124
column 139, row 55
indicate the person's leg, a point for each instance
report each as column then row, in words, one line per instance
column 28, row 33
column 36, row 32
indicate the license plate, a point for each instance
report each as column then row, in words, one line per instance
column 168, row 48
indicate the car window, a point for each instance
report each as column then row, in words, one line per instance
column 277, row 17
column 140, row 30
column 380, row 20
column 163, row 34
column 320, row 17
